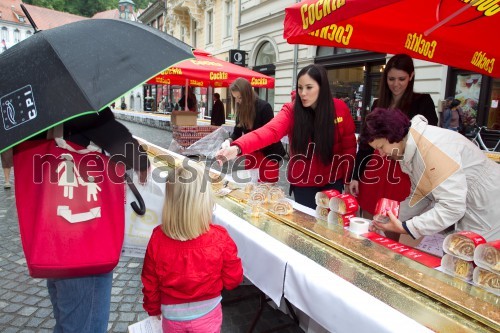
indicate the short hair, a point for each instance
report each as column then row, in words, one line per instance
column 189, row 204
column 455, row 103
column 390, row 124
column 217, row 95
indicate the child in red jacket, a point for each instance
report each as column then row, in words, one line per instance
column 188, row 260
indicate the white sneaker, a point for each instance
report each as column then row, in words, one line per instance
column 6, row 185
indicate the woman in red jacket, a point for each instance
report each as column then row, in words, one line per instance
column 188, row 260
column 321, row 135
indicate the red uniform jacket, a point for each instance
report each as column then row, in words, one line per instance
column 176, row 272
column 308, row 172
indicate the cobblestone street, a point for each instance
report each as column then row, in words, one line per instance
column 25, row 304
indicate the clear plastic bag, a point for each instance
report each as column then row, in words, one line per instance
column 206, row 146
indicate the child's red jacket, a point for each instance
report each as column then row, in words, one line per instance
column 176, row 272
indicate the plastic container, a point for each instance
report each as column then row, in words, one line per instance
column 383, row 207
column 487, row 256
column 322, row 213
column 282, row 207
column 344, row 204
column 340, row 219
column 457, row 267
column 462, row 244
column 486, row 280
column 323, row 198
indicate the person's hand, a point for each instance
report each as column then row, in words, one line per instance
column 353, row 188
column 394, row 225
column 226, row 144
column 226, row 154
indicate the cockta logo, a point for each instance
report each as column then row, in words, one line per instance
column 161, row 80
column 333, row 32
column 173, row 70
column 481, row 61
column 196, row 83
column 218, row 76
column 206, row 63
column 313, row 12
column 420, row 45
column 486, row 7
column 258, row 82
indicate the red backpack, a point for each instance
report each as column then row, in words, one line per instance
column 70, row 208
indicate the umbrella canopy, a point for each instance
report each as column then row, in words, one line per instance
column 207, row 71
column 451, row 32
column 76, row 69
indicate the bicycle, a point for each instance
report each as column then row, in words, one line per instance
column 478, row 139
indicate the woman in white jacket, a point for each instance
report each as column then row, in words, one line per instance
column 453, row 182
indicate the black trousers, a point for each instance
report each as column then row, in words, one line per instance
column 306, row 195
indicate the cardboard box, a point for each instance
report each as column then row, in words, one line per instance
column 184, row 118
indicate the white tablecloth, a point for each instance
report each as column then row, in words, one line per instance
column 264, row 258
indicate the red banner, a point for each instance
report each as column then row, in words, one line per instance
column 406, row 251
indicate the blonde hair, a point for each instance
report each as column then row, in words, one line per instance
column 188, row 207
column 245, row 111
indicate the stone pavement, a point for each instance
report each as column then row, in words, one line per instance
column 24, row 301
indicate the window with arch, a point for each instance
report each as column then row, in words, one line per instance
column 28, row 33
column 264, row 63
column 17, row 36
column 4, row 34
column 265, row 55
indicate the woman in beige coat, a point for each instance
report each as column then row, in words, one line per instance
column 453, row 182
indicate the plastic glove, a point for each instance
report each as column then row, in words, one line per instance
column 226, row 144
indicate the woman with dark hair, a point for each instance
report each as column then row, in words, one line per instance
column 453, row 182
column 375, row 177
column 321, row 135
column 253, row 113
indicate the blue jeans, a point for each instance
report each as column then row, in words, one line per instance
column 81, row 304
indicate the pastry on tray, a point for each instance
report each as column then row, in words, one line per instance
column 282, row 207
column 487, row 256
column 275, row 193
column 462, row 244
column 457, row 267
column 487, row 280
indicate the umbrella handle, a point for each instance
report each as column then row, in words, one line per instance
column 141, row 208
column 33, row 24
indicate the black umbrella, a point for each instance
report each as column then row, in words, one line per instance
column 76, row 69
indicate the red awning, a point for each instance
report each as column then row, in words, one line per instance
column 207, row 71
column 451, row 32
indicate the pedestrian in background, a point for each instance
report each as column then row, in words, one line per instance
column 192, row 103
column 218, row 116
column 321, row 133
column 452, row 119
column 189, row 261
column 7, row 163
column 396, row 92
column 253, row 113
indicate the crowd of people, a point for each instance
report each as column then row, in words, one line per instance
column 189, row 260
